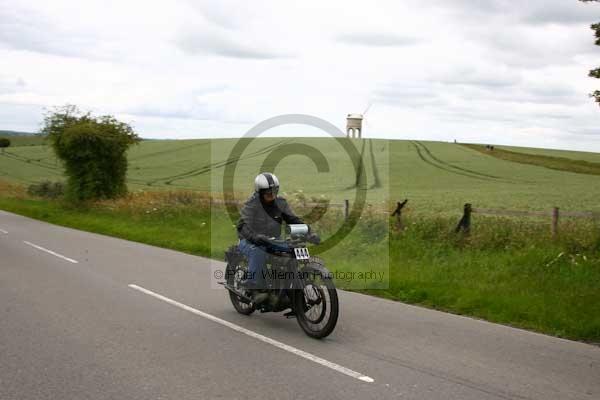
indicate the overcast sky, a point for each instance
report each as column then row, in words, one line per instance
column 496, row 71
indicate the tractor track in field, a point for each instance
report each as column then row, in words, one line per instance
column 53, row 168
column 435, row 162
column 470, row 171
column 220, row 164
column 160, row 153
column 358, row 174
column 448, row 167
column 168, row 180
column 33, row 161
column 376, row 179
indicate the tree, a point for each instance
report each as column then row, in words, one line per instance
column 4, row 142
column 595, row 73
column 93, row 151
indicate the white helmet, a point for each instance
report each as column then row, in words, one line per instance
column 266, row 181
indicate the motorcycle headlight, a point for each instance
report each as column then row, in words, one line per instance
column 297, row 229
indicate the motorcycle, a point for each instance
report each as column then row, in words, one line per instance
column 293, row 280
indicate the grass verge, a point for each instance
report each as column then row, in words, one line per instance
column 184, row 230
column 506, row 271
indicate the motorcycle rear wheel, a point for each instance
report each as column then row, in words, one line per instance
column 235, row 273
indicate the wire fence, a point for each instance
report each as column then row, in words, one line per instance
column 554, row 214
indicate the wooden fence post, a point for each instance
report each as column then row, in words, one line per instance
column 555, row 215
column 346, row 209
column 398, row 214
column 465, row 222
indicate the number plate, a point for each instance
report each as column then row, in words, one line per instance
column 301, row 253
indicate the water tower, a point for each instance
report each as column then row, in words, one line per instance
column 354, row 125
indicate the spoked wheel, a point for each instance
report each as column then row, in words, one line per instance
column 316, row 306
column 235, row 273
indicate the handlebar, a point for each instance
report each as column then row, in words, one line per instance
column 287, row 244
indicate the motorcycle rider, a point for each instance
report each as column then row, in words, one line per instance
column 260, row 222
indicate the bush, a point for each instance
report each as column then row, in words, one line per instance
column 47, row 189
column 93, row 151
column 4, row 142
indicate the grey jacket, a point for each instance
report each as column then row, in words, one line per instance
column 259, row 218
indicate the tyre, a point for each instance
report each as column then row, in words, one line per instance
column 316, row 304
column 235, row 272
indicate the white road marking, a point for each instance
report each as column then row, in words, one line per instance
column 3, row 231
column 51, row 252
column 283, row 346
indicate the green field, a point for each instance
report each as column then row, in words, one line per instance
column 436, row 177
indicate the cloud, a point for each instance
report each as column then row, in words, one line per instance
column 26, row 29
column 553, row 93
column 534, row 46
column 561, row 12
column 20, row 117
column 526, row 12
column 532, row 34
column 483, row 92
column 407, row 94
column 223, row 44
column 193, row 112
column 595, row 132
column 539, row 93
column 376, row 39
column 11, row 84
column 224, row 13
column 486, row 77
column 193, row 104
column 442, row 83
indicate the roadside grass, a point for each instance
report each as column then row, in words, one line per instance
column 505, row 271
column 547, row 161
column 185, row 229
column 11, row 190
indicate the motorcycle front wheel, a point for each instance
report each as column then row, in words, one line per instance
column 316, row 306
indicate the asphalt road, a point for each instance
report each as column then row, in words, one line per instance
column 72, row 327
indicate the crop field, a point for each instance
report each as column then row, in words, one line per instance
column 436, row 177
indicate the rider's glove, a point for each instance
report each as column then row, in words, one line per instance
column 314, row 238
column 262, row 239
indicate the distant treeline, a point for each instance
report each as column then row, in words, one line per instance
column 23, row 140
column 16, row 133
